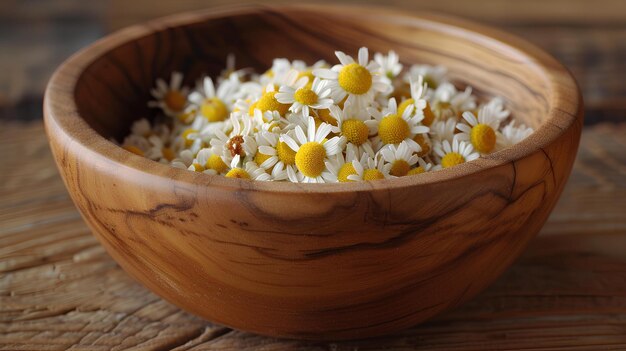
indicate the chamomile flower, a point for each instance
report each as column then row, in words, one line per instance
column 456, row 153
column 390, row 64
column 512, row 134
column 421, row 107
column 443, row 130
column 251, row 170
column 313, row 152
column 422, row 167
column 368, row 168
column 302, row 97
column 212, row 104
column 394, row 128
column 172, row 97
column 275, row 155
column 356, row 126
column 482, row 132
column 359, row 81
column 341, row 167
column 433, row 75
column 239, row 142
column 398, row 160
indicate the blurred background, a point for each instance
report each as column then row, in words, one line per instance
column 588, row 36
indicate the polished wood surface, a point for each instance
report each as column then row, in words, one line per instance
column 311, row 261
column 59, row 289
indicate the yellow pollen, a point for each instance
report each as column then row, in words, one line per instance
column 483, row 138
column 185, row 136
column 168, row 153
column 421, row 141
column 260, row 158
column 310, row 159
column 393, row 129
column 135, row 150
column 400, row 168
column 237, row 173
column 324, row 116
column 305, row 96
column 402, row 107
column 214, row 110
column 355, row 79
column 355, row 131
column 416, row 170
column 216, row 163
column 174, row 100
column 452, row 159
column 345, row 170
column 268, row 102
column 429, row 116
column 372, row 174
column 285, row 153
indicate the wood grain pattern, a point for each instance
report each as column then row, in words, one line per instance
column 60, row 290
column 311, row 261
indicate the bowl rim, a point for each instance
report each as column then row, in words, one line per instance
column 565, row 102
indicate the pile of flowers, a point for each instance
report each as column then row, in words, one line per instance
column 357, row 120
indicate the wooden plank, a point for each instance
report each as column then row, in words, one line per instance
column 60, row 290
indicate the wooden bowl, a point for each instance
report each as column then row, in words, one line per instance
column 329, row 261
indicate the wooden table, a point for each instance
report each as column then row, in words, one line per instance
column 60, row 290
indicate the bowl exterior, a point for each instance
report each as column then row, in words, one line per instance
column 308, row 264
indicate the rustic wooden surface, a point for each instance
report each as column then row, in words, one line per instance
column 60, row 290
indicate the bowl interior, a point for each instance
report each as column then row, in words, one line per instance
column 114, row 89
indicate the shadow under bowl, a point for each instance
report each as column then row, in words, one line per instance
column 328, row 261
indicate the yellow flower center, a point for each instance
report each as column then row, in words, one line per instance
column 185, row 136
column 452, row 159
column 324, row 116
column 214, row 110
column 135, row 150
column 372, row 174
column 483, row 137
column 305, row 96
column 421, row 141
column 168, row 153
column 355, row 79
column 268, row 102
column 355, row 131
column 260, row 158
column 310, row 159
column 416, row 170
column 174, row 100
column 400, row 168
column 197, row 167
column 285, row 153
column 216, row 163
column 251, row 109
column 345, row 170
column 393, row 129
column 238, row 173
